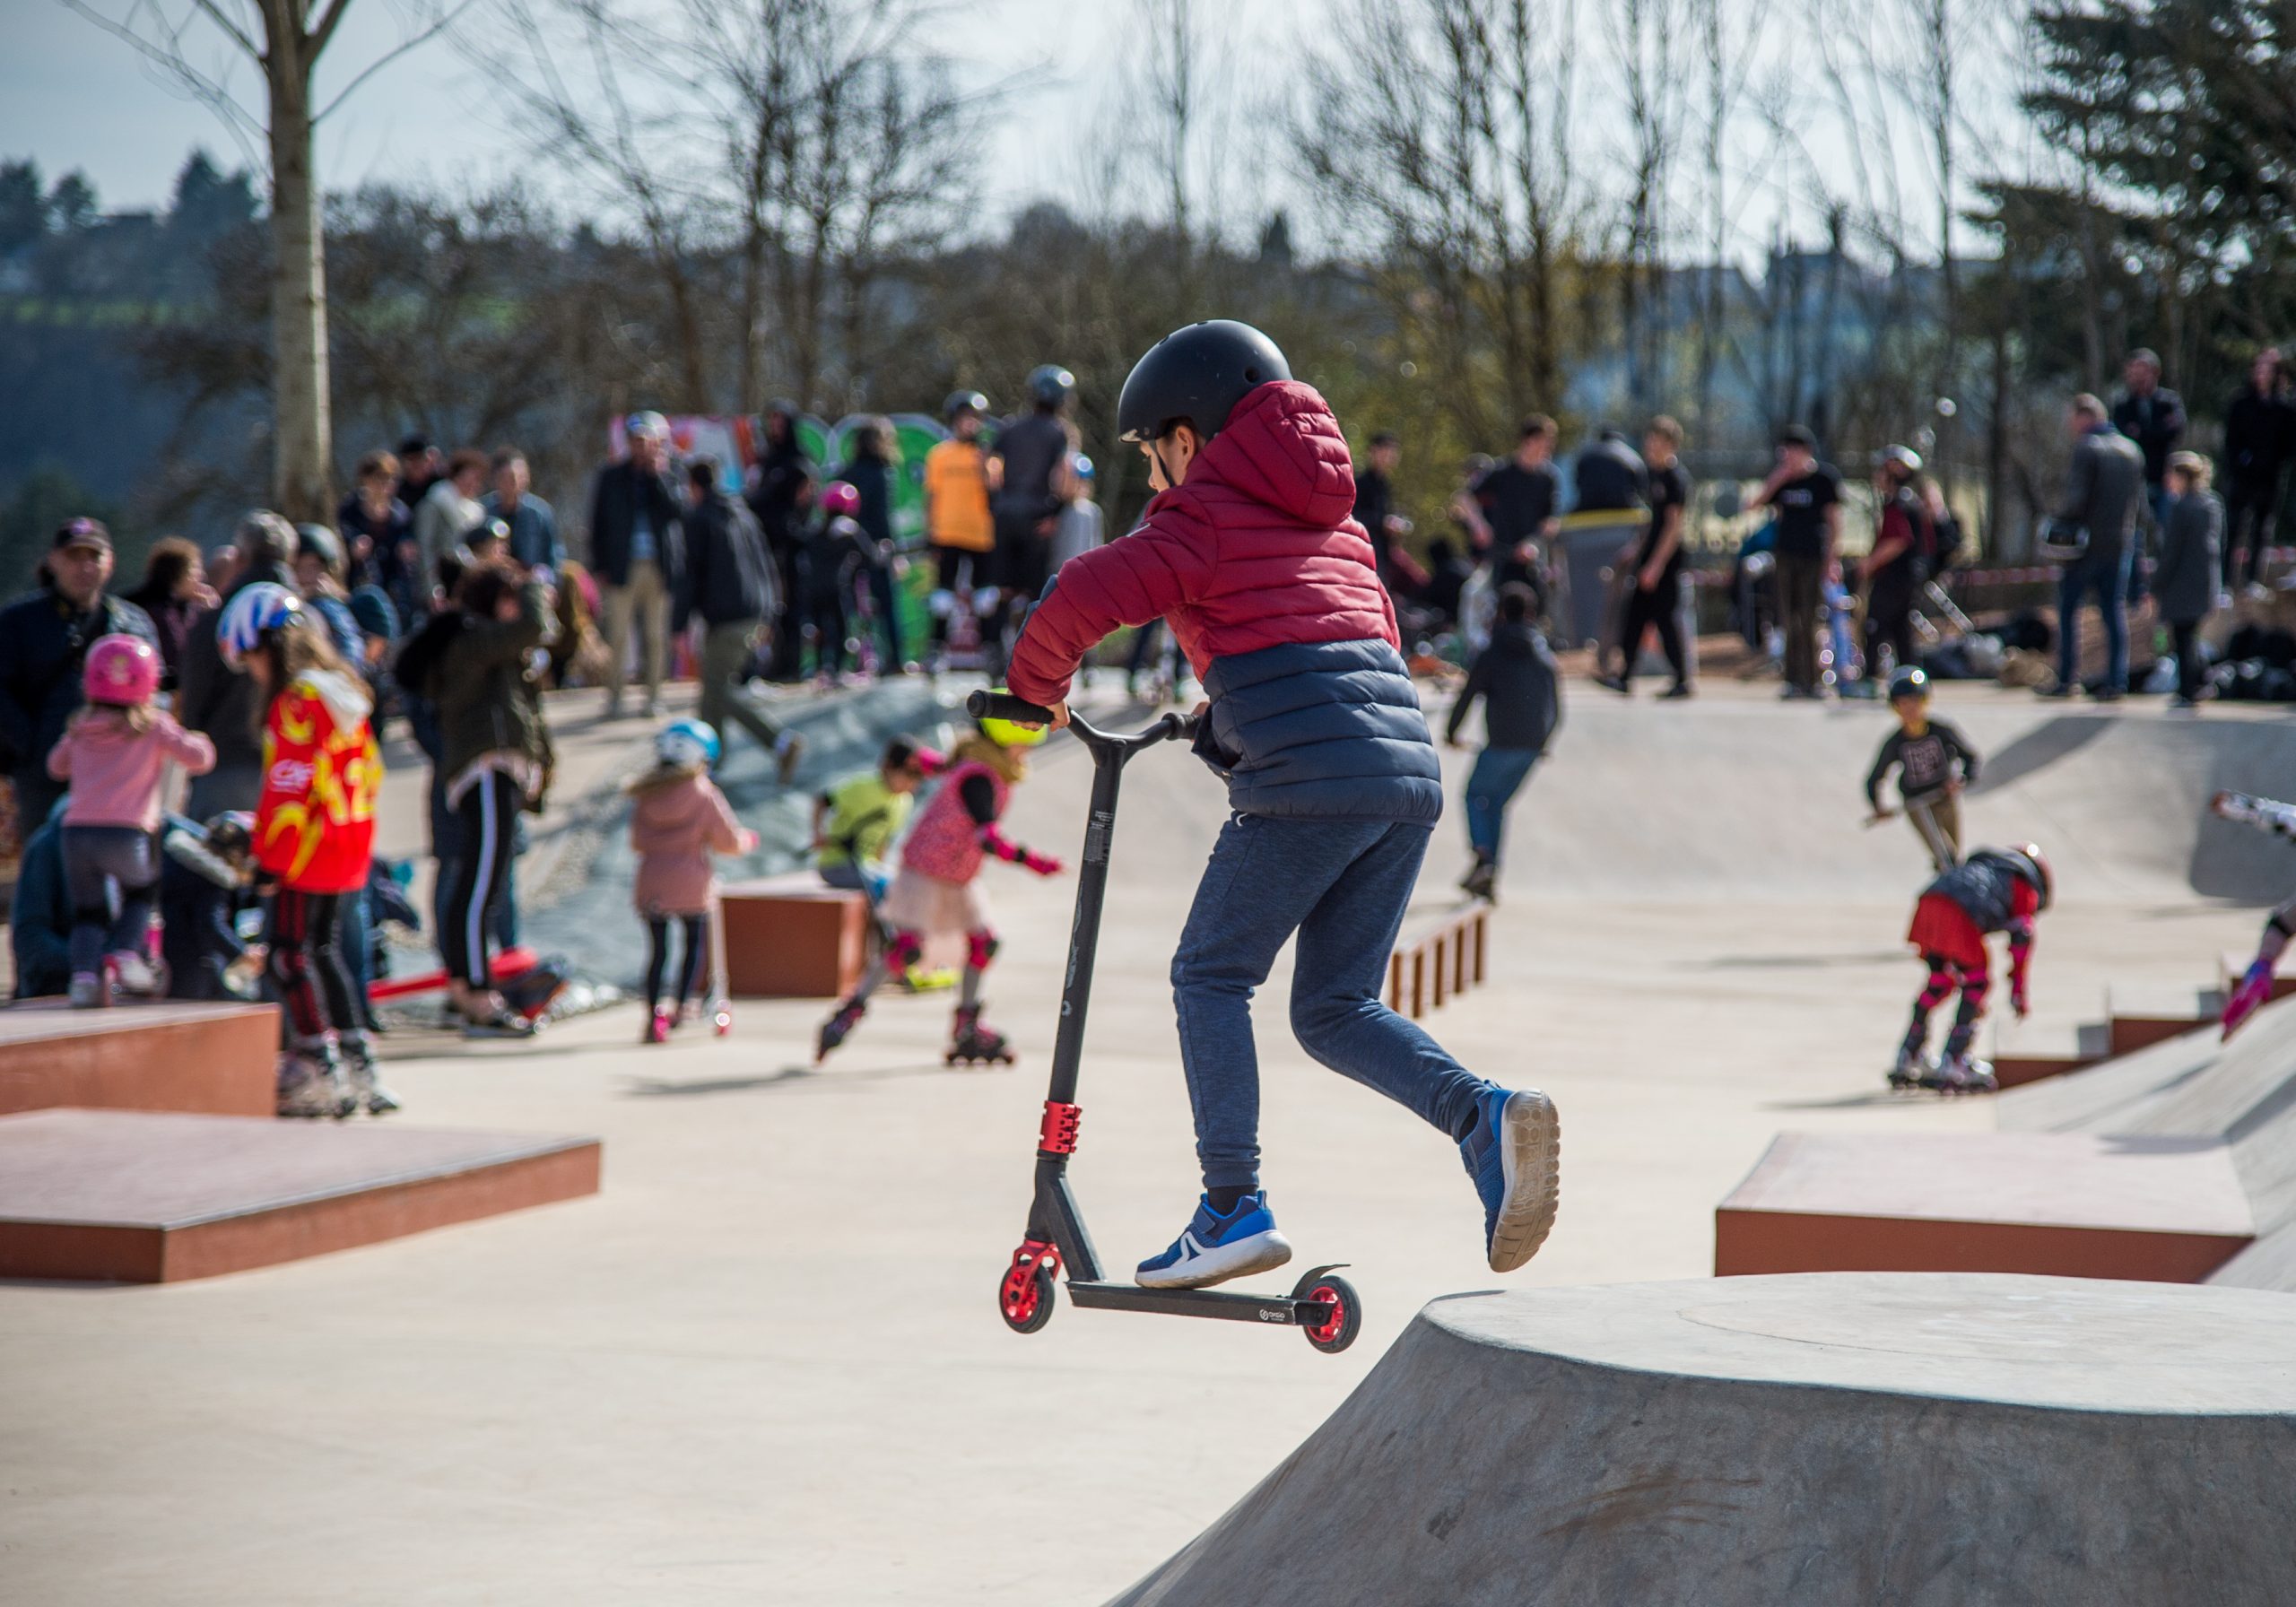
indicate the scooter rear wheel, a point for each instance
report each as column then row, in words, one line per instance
column 1025, row 1296
column 1338, row 1330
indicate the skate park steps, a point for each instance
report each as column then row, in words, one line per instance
column 148, row 1197
column 2137, row 1018
column 167, row 1055
column 1800, row 1441
column 2066, row 1204
column 2133, row 1156
column 1439, row 960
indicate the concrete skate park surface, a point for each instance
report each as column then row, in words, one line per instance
column 764, row 1363
column 1790, row 1442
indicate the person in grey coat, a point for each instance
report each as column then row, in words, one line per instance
column 2104, row 487
column 2184, row 585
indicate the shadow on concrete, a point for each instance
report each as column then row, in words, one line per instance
column 2039, row 747
column 1801, row 962
column 655, row 1088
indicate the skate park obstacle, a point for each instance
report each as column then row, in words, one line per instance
column 1447, row 959
column 1789, row 1442
column 147, row 1197
column 792, row 937
column 169, row 1054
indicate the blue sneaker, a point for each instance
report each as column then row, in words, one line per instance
column 1216, row 1248
column 1513, row 1154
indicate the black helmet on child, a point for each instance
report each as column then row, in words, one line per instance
column 963, row 402
column 2033, row 867
column 1910, row 682
column 1051, row 385
column 1197, row 374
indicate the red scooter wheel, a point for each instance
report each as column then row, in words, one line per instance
column 1337, row 1332
column 1025, row 1296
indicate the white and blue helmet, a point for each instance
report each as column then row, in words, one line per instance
column 686, row 743
column 252, row 612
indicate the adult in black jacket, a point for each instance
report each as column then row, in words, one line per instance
column 2259, row 438
column 44, row 641
column 729, row 582
column 2151, row 415
column 779, row 482
column 225, row 703
column 1522, row 704
column 637, row 552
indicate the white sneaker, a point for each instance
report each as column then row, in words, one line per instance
column 86, row 990
column 133, row 973
column 361, row 1081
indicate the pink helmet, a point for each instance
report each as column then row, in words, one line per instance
column 840, row 500
column 122, row 670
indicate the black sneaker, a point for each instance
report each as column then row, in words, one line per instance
column 1679, row 689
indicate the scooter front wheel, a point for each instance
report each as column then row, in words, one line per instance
column 1337, row 1332
column 1024, row 1297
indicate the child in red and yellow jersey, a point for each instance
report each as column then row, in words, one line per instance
column 314, row 835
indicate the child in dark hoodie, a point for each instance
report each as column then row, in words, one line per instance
column 1522, row 704
column 1248, row 551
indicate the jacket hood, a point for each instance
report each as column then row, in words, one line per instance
column 1283, row 447
column 347, row 702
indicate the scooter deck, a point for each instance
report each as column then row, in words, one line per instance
column 1232, row 1305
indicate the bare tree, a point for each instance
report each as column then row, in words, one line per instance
column 1435, row 135
column 284, row 39
column 594, row 87
column 1648, row 38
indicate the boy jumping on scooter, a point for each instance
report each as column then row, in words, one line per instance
column 1248, row 551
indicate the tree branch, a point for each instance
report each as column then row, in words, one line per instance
column 447, row 19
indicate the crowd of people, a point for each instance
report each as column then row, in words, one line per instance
column 445, row 592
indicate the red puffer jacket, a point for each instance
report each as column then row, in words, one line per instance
column 1256, row 550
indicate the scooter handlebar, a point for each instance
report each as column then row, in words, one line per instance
column 1005, row 706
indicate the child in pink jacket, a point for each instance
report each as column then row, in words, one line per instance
column 115, row 754
column 678, row 820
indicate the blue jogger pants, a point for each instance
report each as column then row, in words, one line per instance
column 1341, row 885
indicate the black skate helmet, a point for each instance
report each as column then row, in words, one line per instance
column 963, row 402
column 1051, row 385
column 1197, row 376
column 1910, row 680
column 2033, row 867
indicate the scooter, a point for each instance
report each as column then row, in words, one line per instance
column 1323, row 1306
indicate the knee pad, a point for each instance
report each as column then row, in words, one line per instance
column 1974, row 986
column 902, row 951
column 981, row 948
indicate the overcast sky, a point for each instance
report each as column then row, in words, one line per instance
column 71, row 96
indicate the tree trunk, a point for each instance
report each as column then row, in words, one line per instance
column 302, row 430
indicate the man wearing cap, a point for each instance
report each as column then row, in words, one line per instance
column 1807, row 496
column 44, row 640
column 637, row 551
column 1898, row 563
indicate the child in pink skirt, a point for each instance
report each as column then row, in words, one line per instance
column 937, row 888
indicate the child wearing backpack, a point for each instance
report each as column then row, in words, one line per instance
column 115, row 754
column 677, row 819
column 1994, row 890
column 314, row 840
column 1250, row 551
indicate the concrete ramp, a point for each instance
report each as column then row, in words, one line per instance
column 1718, row 800
column 1804, row 1441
